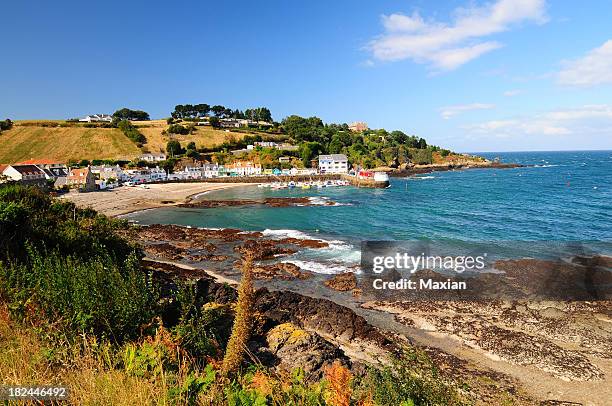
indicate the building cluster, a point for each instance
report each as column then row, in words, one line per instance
column 97, row 118
column 47, row 172
column 358, row 126
column 281, row 146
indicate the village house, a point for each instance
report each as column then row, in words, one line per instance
column 334, row 163
column 240, row 122
column 358, row 126
column 82, row 179
column 25, row 174
column 97, row 118
column 139, row 175
column 212, row 170
column 109, row 173
column 153, row 157
column 233, row 123
column 193, row 172
column 244, row 168
column 158, row 175
column 52, row 169
column 283, row 146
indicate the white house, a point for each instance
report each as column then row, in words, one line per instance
column 334, row 163
column 210, row 171
column 26, row 174
column 139, row 175
column 153, row 157
column 106, row 172
column 244, row 168
column 158, row 174
column 97, row 118
column 179, row 175
column 193, row 172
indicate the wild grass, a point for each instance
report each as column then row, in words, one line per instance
column 77, row 309
column 22, row 143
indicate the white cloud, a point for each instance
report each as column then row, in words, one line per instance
column 448, row 46
column 512, row 93
column 584, row 121
column 595, row 68
column 451, row 111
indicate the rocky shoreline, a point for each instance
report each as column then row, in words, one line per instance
column 422, row 169
column 531, row 351
column 269, row 201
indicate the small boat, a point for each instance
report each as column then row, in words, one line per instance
column 305, row 186
column 291, row 185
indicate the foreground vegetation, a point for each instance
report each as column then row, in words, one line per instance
column 77, row 308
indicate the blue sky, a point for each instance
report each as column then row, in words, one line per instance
column 493, row 75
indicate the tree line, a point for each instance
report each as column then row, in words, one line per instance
column 194, row 111
column 132, row 115
column 368, row 149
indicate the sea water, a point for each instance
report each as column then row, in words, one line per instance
column 560, row 196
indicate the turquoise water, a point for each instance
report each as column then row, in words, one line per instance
column 565, row 196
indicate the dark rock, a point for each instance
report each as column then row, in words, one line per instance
column 297, row 348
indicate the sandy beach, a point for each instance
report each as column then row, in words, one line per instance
column 127, row 199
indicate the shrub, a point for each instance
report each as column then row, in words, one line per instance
column 97, row 296
column 177, row 129
column 410, row 380
column 339, row 380
column 6, row 125
column 131, row 132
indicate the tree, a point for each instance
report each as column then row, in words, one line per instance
column 308, row 151
column 191, row 145
column 6, row 125
column 132, row 132
column 218, row 110
column 202, row 110
column 168, row 164
column 214, row 122
column 178, row 129
column 174, row 148
column 132, row 115
column 258, row 114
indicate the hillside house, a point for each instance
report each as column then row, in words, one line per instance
column 358, row 126
column 96, row 118
column 153, row 157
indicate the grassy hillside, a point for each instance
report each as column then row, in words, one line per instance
column 41, row 139
column 203, row 137
column 23, row 143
